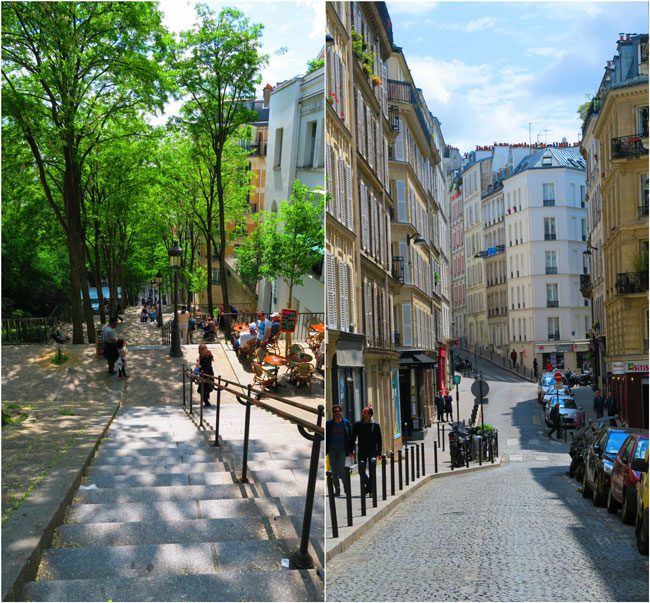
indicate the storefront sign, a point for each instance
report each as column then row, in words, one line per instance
column 545, row 349
column 637, row 367
column 565, row 347
column 617, row 368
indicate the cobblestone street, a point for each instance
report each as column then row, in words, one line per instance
column 521, row 532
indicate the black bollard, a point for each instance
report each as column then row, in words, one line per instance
column 422, row 451
column 480, row 451
column 373, row 481
column 406, row 465
column 392, row 473
column 399, row 467
column 467, row 450
column 438, row 426
column 417, row 461
column 491, row 451
column 383, row 477
column 362, row 483
column 201, row 403
column 330, row 492
column 443, row 438
column 348, row 495
column 412, row 465
column 435, row 457
column 496, row 442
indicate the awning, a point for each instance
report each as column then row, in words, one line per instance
column 349, row 353
column 418, row 360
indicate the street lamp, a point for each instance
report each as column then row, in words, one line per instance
column 594, row 338
column 174, row 253
column 416, row 238
column 158, row 280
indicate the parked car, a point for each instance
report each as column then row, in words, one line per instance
column 641, row 522
column 461, row 364
column 571, row 414
column 623, row 481
column 546, row 380
column 552, row 394
column 581, row 440
column 599, row 462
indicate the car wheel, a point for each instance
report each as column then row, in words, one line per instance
column 580, row 472
column 574, row 466
column 612, row 504
column 586, row 490
column 597, row 495
column 642, row 534
column 628, row 513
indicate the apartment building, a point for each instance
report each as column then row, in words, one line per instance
column 546, row 233
column 618, row 143
column 457, row 253
column 416, row 242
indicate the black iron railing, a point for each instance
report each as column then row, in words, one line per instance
column 27, row 330
column 550, row 236
column 554, row 336
column 628, row 146
column 643, row 211
column 586, row 288
column 632, row 282
column 551, row 269
column 552, row 303
column 166, row 332
column 398, row 268
column 248, row 397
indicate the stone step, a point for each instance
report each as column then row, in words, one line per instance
column 159, row 469
column 184, row 531
column 278, row 585
column 128, row 495
column 190, row 509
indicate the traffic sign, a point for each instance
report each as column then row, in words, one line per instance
column 480, row 388
column 558, row 376
column 456, row 379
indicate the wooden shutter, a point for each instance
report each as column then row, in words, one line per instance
column 375, row 312
column 348, row 191
column 330, row 178
column 330, row 277
column 407, row 325
column 344, row 317
column 351, row 296
column 340, row 210
column 400, row 187
column 404, row 252
column 363, row 202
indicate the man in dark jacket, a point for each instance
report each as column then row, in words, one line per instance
column 367, row 434
column 555, row 420
column 338, row 445
column 440, row 407
column 599, row 404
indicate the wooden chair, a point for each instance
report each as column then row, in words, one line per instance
column 248, row 349
column 260, row 353
column 273, row 344
column 315, row 340
column 303, row 373
column 264, row 377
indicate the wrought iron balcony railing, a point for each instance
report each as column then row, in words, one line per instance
column 643, row 211
column 631, row 282
column 552, row 303
column 586, row 287
column 554, row 336
column 551, row 269
column 550, row 236
column 628, row 146
column 398, row 268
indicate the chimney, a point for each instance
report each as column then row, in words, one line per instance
column 267, row 94
column 627, row 37
column 620, row 37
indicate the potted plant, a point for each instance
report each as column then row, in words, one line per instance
column 331, row 97
column 376, row 80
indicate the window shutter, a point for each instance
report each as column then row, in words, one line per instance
column 363, row 201
column 342, row 95
column 400, row 186
column 348, row 190
column 399, row 145
column 351, row 302
column 330, row 178
column 344, row 320
column 375, row 312
column 337, row 84
column 371, row 140
column 331, row 290
column 407, row 325
column 403, row 251
column 340, row 210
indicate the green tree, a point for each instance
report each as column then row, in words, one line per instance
column 68, row 69
column 219, row 72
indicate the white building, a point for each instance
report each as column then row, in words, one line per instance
column 546, row 233
column 295, row 152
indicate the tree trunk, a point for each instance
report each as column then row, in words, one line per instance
column 222, row 250
column 288, row 335
column 98, row 280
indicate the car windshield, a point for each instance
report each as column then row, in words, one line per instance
column 568, row 403
column 641, row 447
column 615, row 441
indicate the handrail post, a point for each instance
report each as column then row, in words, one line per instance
column 362, row 473
column 348, row 495
column 417, row 461
column 191, row 392
column 392, row 473
column 435, row 457
column 201, row 401
column 216, row 422
column 184, row 371
column 406, row 464
column 383, row 477
column 247, row 426
column 373, row 480
column 422, row 450
column 301, row 559
column 332, row 502
column 399, row 467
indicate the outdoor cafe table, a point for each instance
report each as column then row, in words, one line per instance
column 275, row 360
column 301, row 357
column 239, row 327
column 319, row 327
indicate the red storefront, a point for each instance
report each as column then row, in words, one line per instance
column 442, row 369
column 628, row 382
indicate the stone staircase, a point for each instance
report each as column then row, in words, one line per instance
column 162, row 517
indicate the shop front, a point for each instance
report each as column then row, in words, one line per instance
column 347, row 376
column 417, row 377
column 628, row 382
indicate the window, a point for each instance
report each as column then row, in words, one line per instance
column 583, row 226
column 642, row 121
column 310, row 147
column 549, row 229
column 553, row 324
column 583, row 202
column 277, row 160
column 551, row 296
column 547, row 159
column 551, row 262
column 549, row 194
column 644, row 196
column 216, row 276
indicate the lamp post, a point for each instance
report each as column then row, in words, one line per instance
column 158, row 280
column 153, row 284
column 174, row 254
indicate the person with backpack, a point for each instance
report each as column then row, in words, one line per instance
column 555, row 420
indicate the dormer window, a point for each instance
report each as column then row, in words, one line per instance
column 547, row 158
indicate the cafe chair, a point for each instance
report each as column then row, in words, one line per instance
column 260, row 353
column 248, row 349
column 273, row 344
column 302, row 374
column 263, row 376
column 295, row 348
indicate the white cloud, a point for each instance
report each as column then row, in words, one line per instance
column 406, row 7
column 178, row 16
column 544, row 52
column 480, row 24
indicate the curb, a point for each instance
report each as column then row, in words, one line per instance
column 385, row 509
column 34, row 529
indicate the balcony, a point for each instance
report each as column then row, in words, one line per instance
column 405, row 93
column 398, row 268
column 552, row 303
column 628, row 146
column 632, row 282
column 551, row 269
column 643, row 211
column 550, row 236
column 549, row 202
column 257, row 149
column 554, row 336
column 393, row 118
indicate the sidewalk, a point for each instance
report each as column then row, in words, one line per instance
column 347, row 535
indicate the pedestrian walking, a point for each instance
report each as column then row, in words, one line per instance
column 513, row 357
column 110, row 344
column 440, row 406
column 555, row 420
column 183, row 323
column 535, row 368
column 611, row 405
column 206, row 380
column 191, row 327
column 449, row 409
column 367, row 434
column 339, row 445
column 599, row 404
column 120, row 365
column 144, row 314
column 549, row 366
column 152, row 314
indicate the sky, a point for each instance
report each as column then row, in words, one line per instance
column 294, row 32
column 488, row 69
